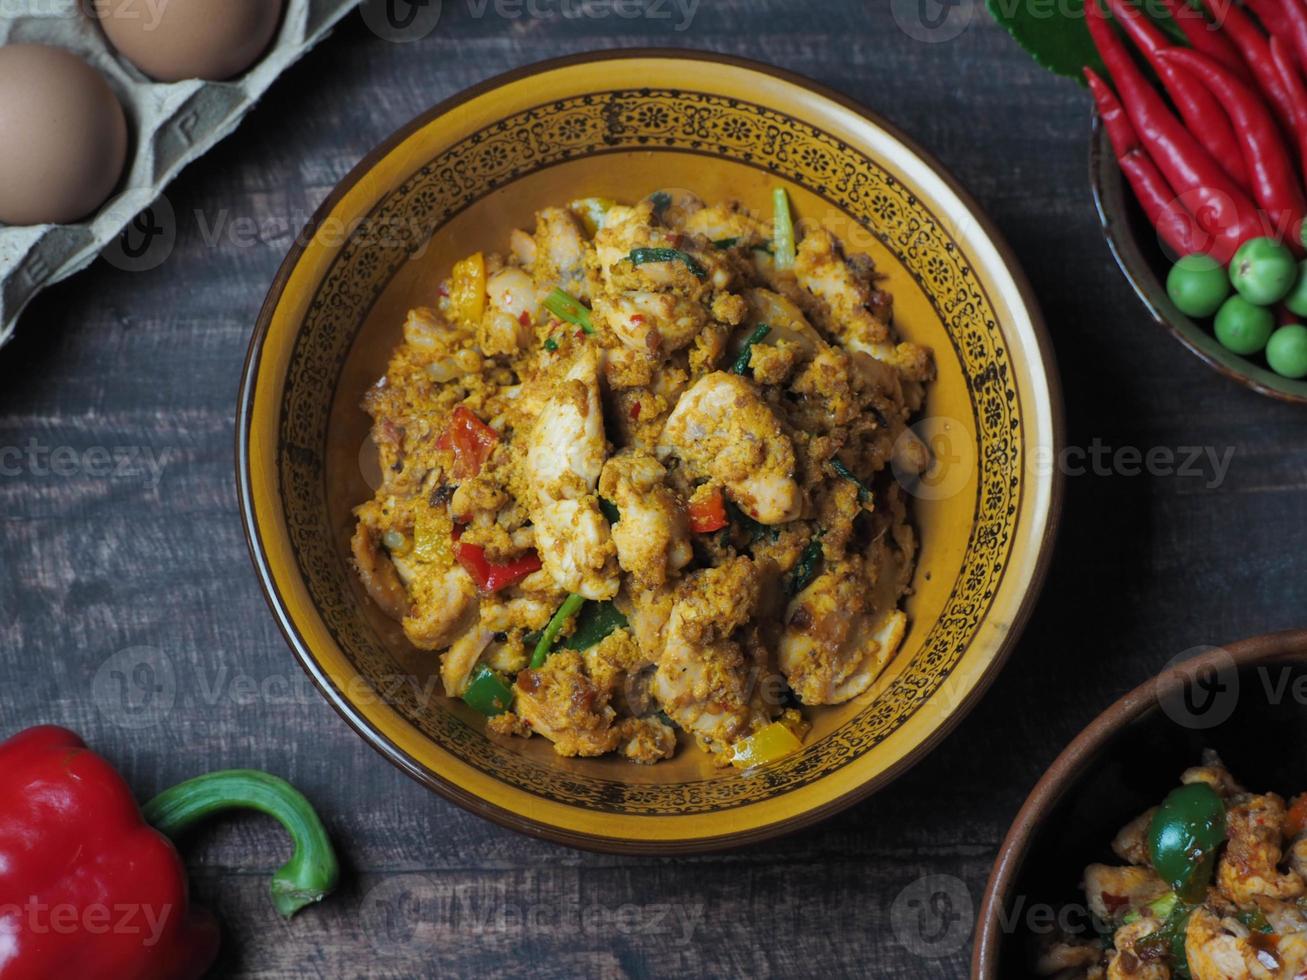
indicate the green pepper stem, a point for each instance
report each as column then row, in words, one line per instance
column 310, row 874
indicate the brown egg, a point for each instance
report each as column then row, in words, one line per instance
column 63, row 136
column 177, row 39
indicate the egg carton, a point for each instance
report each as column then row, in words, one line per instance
column 170, row 125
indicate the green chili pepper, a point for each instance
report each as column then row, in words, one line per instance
column 551, row 344
column 725, row 243
column 570, row 309
column 570, row 607
column 596, row 621
column 1183, row 837
column 1255, row 919
column 488, row 692
column 782, row 230
column 864, row 491
column 741, row 365
column 806, row 570
column 640, row 256
column 609, row 509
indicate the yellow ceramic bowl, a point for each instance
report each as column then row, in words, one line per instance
column 622, row 125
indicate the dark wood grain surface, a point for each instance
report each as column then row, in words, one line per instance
column 108, row 565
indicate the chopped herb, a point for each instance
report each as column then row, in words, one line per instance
column 864, row 491
column 609, row 510
column 570, row 607
column 725, row 243
column 1167, row 943
column 783, row 230
column 741, row 365
column 551, row 344
column 570, row 309
column 1255, row 919
column 661, row 202
column 641, row 256
column 596, row 621
column 806, row 570
column 755, row 529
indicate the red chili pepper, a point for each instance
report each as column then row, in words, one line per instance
column 492, row 576
column 708, row 513
column 471, row 440
column 635, row 412
column 1295, row 34
column 1199, row 109
column 1297, row 92
column 1274, row 179
column 1256, row 53
column 1295, row 821
column 1220, row 205
column 1176, row 226
column 1207, row 37
column 89, row 889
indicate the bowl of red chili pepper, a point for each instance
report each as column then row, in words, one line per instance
column 1198, row 179
column 415, row 226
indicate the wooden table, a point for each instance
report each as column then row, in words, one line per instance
column 101, row 560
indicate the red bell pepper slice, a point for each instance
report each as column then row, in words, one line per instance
column 492, row 576
column 471, row 440
column 708, row 513
column 88, row 888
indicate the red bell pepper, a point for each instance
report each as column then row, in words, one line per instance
column 708, row 512
column 92, row 888
column 493, row 576
column 471, row 440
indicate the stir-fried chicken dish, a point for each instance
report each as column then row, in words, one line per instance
column 1214, row 888
column 639, row 477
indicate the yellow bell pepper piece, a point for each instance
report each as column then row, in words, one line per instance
column 769, row 744
column 467, row 290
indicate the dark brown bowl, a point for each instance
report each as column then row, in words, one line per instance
column 1140, row 257
column 1125, row 761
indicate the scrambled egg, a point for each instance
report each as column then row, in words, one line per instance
column 644, row 407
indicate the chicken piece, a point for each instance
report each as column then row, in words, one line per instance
column 560, row 254
column 1214, row 774
column 706, row 681
column 647, row 612
column 561, row 703
column 1249, row 864
column 652, row 537
column 646, row 740
column 848, row 297
column 725, row 222
column 627, row 229
column 1221, row 948
column 564, row 458
column 1125, row 964
column 375, row 569
column 444, row 604
column 721, row 429
column 1131, row 842
column 506, row 325
column 1111, row 892
column 833, row 645
column 458, row 662
column 1066, row 956
column 661, row 323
